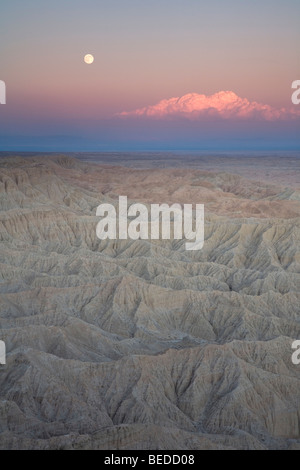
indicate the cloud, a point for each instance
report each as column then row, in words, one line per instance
column 224, row 104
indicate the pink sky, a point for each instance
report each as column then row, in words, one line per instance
column 155, row 59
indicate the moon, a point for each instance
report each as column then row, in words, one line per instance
column 88, row 59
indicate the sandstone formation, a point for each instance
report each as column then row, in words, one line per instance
column 141, row 344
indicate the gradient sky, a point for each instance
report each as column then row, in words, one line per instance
column 145, row 51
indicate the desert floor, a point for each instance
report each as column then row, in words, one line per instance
column 122, row 344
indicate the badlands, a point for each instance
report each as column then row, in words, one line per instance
column 122, row 344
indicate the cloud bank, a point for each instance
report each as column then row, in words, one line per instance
column 224, row 104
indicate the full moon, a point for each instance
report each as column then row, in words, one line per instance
column 88, row 59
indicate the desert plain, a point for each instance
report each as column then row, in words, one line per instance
column 123, row 344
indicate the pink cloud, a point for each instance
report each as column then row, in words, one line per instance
column 225, row 104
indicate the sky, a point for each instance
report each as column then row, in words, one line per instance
column 168, row 74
